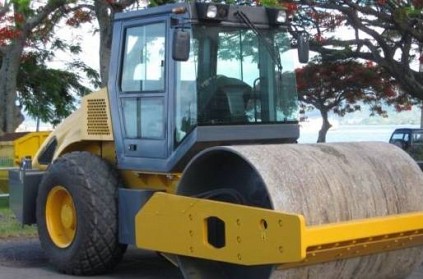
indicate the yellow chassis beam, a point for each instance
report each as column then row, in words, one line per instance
column 254, row 236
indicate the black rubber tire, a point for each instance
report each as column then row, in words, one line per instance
column 92, row 183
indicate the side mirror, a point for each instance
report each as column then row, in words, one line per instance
column 180, row 45
column 303, row 47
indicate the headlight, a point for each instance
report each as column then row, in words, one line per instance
column 276, row 16
column 281, row 17
column 212, row 11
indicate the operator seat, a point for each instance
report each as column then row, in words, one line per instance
column 224, row 101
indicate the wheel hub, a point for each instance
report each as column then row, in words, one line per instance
column 61, row 216
column 67, row 216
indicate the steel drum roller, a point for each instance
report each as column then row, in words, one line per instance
column 327, row 183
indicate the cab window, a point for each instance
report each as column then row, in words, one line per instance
column 144, row 58
column 142, row 81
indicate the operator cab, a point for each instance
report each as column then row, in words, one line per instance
column 185, row 77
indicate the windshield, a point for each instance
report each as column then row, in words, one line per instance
column 231, row 78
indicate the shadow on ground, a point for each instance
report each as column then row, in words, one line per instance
column 25, row 259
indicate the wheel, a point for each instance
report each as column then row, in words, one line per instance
column 77, row 215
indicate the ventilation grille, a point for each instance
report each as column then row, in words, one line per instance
column 97, row 117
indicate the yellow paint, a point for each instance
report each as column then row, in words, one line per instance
column 278, row 235
column 154, row 181
column 24, row 146
column 361, row 237
column 108, row 151
column 28, row 145
column 283, row 238
column 61, row 219
column 12, row 153
column 85, row 129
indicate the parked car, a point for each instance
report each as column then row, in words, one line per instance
column 411, row 140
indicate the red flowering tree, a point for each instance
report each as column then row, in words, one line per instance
column 387, row 32
column 342, row 86
column 23, row 24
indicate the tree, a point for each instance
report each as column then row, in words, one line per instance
column 46, row 94
column 386, row 32
column 24, row 24
column 342, row 86
column 103, row 11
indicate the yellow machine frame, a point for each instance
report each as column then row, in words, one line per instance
column 282, row 238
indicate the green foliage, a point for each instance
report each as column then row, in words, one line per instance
column 154, row 3
column 22, row 7
column 269, row 3
column 48, row 94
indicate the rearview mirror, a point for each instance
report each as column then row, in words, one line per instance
column 180, row 45
column 303, row 47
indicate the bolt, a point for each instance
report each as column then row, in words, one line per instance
column 238, row 222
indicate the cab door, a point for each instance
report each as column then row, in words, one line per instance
column 140, row 94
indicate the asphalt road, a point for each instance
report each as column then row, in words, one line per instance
column 23, row 259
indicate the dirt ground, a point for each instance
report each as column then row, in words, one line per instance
column 23, row 259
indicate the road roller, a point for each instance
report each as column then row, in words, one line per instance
column 191, row 152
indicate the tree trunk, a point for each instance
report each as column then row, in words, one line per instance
column 37, row 129
column 104, row 15
column 325, row 126
column 10, row 114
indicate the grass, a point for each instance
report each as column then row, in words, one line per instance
column 11, row 228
